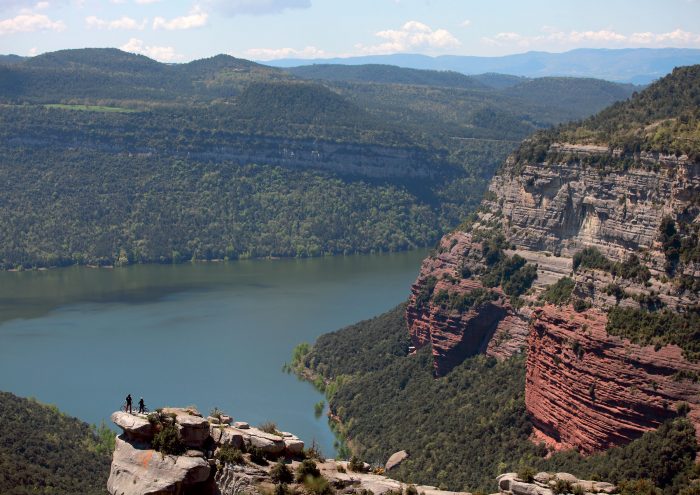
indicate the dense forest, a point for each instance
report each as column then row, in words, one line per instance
column 110, row 158
column 43, row 451
column 466, row 428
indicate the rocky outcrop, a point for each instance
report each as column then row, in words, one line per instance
column 550, row 483
column 139, row 469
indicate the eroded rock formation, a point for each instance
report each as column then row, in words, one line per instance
column 585, row 388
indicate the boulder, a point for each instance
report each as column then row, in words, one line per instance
column 193, row 428
column 136, row 427
column 543, row 477
column 227, row 420
column 396, row 459
column 241, row 425
column 269, row 443
column 522, row 488
column 601, row 486
column 566, row 477
column 213, row 420
column 293, row 445
column 139, row 470
column 504, row 480
column 223, row 435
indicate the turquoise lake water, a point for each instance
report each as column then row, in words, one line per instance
column 205, row 334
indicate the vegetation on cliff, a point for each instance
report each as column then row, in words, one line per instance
column 43, row 451
column 663, row 118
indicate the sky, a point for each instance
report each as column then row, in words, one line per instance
column 184, row 30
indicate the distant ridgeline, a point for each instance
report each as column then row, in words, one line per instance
column 110, row 158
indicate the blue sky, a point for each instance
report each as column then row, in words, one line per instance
column 183, row 30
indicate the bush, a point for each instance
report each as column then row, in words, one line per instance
column 639, row 487
column 305, row 469
column 257, row 455
column 561, row 486
column 318, row 485
column 526, row 474
column 270, row 427
column 560, row 292
column 228, row 454
column 280, row 473
column 167, row 441
column 356, row 465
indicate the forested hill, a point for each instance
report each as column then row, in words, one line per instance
column 110, row 158
column 44, row 451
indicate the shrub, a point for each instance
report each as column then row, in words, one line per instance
column 580, row 305
column 307, row 468
column 410, row 490
column 167, row 441
column 281, row 489
column 270, row 427
column 318, row 485
column 228, row 454
column 280, row 473
column 639, row 487
column 526, row 474
column 257, row 455
column 559, row 292
column 561, row 486
column 356, row 465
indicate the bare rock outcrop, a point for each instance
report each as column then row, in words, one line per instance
column 550, row 483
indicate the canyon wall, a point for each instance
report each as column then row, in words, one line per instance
column 585, row 388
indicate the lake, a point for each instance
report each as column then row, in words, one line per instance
column 204, row 334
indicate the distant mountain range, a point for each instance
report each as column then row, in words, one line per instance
column 634, row 65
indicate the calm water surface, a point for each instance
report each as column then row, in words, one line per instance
column 210, row 334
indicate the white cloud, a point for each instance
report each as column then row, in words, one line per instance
column 412, row 35
column 147, row 2
column 256, row 7
column 196, row 18
column 121, row 23
column 162, row 53
column 29, row 22
column 29, row 4
column 551, row 38
column 276, row 53
column 33, row 51
column 465, row 23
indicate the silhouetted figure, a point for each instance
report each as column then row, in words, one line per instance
column 128, row 403
column 142, row 406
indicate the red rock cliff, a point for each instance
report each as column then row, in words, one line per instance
column 586, row 389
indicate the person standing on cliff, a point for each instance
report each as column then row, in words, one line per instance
column 128, row 404
column 142, row 406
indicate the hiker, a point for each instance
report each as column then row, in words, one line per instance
column 128, row 404
column 142, row 406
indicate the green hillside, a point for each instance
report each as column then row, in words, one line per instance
column 111, row 158
column 43, row 451
column 386, row 74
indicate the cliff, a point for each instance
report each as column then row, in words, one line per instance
column 218, row 456
column 584, row 253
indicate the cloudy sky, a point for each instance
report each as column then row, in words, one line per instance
column 183, row 30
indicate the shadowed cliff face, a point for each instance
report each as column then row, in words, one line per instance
column 585, row 388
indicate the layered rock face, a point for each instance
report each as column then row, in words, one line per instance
column 608, row 390
column 589, row 390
